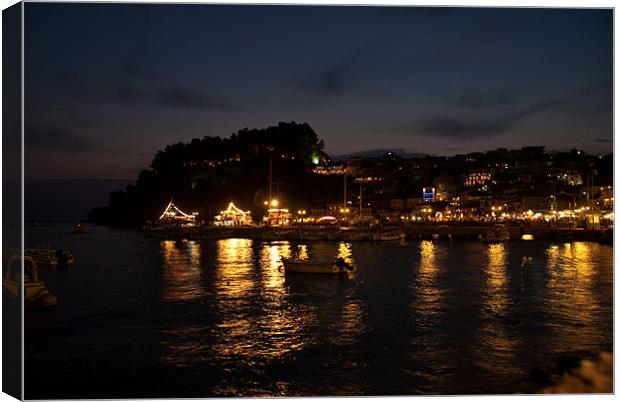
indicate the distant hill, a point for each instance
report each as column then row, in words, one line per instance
column 379, row 152
column 67, row 200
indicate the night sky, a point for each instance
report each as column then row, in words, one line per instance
column 107, row 85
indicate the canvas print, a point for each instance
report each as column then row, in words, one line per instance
column 277, row 201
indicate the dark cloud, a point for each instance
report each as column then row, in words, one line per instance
column 462, row 129
column 604, row 140
column 472, row 99
column 467, row 128
column 185, row 98
column 59, row 139
column 340, row 77
column 330, row 82
column 129, row 86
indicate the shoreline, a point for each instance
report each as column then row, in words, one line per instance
column 401, row 232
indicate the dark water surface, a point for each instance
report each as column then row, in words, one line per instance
column 140, row 317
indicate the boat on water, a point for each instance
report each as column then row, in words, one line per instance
column 339, row 266
column 78, row 228
column 390, row 235
column 357, row 235
column 495, row 235
column 47, row 257
column 35, row 292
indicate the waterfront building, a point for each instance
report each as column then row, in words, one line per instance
column 428, row 194
column 277, row 217
column 477, row 178
column 233, row 216
column 173, row 215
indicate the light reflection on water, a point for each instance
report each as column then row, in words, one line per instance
column 571, row 297
column 182, row 270
column 425, row 286
column 498, row 337
column 282, row 326
column 224, row 319
column 265, row 316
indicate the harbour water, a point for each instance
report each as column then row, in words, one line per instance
column 143, row 317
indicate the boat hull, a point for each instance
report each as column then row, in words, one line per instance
column 35, row 293
column 306, row 267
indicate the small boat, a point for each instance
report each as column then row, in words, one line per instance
column 35, row 292
column 316, row 267
column 78, row 228
column 391, row 235
column 43, row 257
column 357, row 235
column 495, row 235
column 46, row 257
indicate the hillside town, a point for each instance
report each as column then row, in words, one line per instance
column 523, row 188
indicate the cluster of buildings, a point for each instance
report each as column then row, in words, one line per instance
column 529, row 184
column 520, row 186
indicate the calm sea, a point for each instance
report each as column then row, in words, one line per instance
column 140, row 317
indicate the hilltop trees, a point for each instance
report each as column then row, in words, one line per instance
column 205, row 174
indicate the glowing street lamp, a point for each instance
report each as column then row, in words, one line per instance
column 274, row 203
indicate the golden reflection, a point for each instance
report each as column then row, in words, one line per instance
column 498, row 345
column 427, row 300
column 302, row 252
column 496, row 297
column 182, row 271
column 271, row 264
column 235, row 284
column 345, row 252
column 571, row 296
column 425, row 284
column 234, row 269
column 282, row 325
column 351, row 323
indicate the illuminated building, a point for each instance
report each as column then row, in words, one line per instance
column 233, row 216
column 277, row 217
column 477, row 178
column 172, row 214
column 428, row 194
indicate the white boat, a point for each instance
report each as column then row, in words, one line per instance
column 35, row 292
column 315, row 267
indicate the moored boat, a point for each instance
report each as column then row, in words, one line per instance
column 316, row 267
column 35, row 292
column 43, row 257
column 357, row 235
column 390, row 235
column 495, row 235
column 47, row 257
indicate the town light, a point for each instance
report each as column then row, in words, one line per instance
column 274, row 203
